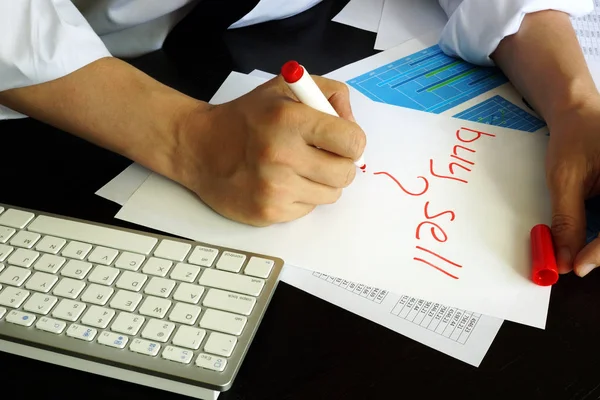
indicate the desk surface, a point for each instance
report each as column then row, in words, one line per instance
column 305, row 348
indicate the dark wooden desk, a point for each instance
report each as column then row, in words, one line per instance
column 305, row 347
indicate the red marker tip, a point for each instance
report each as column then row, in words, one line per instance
column 292, row 71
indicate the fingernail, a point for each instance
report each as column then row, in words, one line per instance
column 564, row 260
column 585, row 269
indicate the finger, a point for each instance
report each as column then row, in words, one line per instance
column 309, row 192
column 338, row 95
column 323, row 167
column 588, row 258
column 336, row 135
column 568, row 217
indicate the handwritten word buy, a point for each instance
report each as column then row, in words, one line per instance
column 464, row 135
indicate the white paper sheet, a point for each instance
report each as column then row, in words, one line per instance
column 122, row 186
column 459, row 333
column 361, row 14
column 402, row 20
column 377, row 244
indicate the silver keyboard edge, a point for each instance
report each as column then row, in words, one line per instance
column 125, row 359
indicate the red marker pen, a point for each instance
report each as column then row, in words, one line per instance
column 307, row 91
column 544, row 271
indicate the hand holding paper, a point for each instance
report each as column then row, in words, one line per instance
column 255, row 159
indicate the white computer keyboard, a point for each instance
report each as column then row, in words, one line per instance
column 166, row 307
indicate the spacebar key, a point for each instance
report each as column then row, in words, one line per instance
column 233, row 282
column 93, row 234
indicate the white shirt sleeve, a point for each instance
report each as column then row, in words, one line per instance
column 476, row 27
column 42, row 40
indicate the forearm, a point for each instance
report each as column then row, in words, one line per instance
column 545, row 63
column 113, row 105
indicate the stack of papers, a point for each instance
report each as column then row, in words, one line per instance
column 398, row 21
column 432, row 242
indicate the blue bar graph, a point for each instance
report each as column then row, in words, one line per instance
column 500, row 112
column 428, row 80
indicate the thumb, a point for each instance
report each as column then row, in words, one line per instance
column 568, row 219
column 338, row 95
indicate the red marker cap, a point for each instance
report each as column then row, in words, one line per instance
column 544, row 269
column 292, row 71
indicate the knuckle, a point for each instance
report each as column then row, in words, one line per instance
column 269, row 153
column 562, row 224
column 357, row 143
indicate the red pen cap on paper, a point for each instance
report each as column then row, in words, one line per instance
column 544, row 271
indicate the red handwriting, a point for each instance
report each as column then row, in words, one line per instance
column 464, row 135
column 402, row 187
column 435, row 266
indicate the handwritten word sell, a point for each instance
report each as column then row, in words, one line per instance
column 456, row 171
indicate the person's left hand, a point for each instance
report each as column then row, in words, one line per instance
column 573, row 175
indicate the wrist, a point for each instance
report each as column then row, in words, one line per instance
column 569, row 100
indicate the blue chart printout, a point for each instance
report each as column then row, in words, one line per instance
column 498, row 111
column 428, row 80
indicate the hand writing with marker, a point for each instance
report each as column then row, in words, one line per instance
column 265, row 158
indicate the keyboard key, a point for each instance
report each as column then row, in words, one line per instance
column 1, row 268
column 220, row 344
column 76, row 269
column 5, row 251
column 188, row 293
column 69, row 288
column 157, row 267
column 259, row 267
column 177, row 354
column 13, row 297
column 126, row 301
column 81, row 332
column 14, row 276
column 228, row 281
column 203, row 256
column 228, row 301
column 189, row 337
column 155, row 307
column 15, row 218
column 172, row 250
column 50, row 244
column 223, row 322
column 159, row 287
column 144, row 347
column 69, row 310
column 113, row 339
column 103, row 275
column 127, row 323
column 211, row 362
column 23, row 258
column 98, row 235
column 103, row 255
column 24, row 239
column 231, row 262
column 158, row 330
column 20, row 318
column 185, row 272
column 41, row 282
column 131, row 281
column 76, row 250
column 98, row 317
column 185, row 313
column 97, row 294
column 6, row 233
column 49, row 263
column 129, row 261
column 2, row 311
column 40, row 303
column 51, row 325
